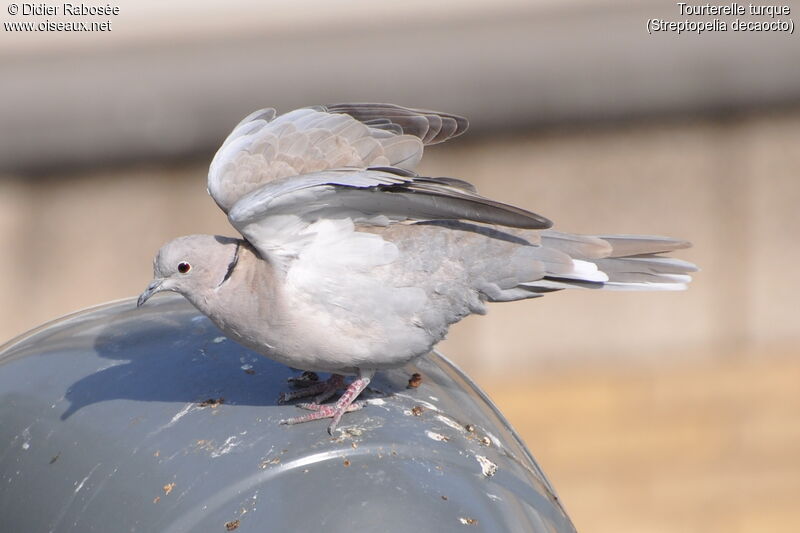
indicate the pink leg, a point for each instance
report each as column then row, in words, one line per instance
column 342, row 405
column 324, row 390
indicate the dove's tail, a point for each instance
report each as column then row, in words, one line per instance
column 617, row 262
column 637, row 263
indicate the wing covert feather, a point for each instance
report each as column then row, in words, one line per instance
column 275, row 217
column 264, row 147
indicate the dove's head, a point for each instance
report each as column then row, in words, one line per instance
column 192, row 265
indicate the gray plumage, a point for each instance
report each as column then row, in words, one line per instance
column 432, row 127
column 352, row 263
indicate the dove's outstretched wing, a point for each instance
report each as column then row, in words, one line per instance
column 287, row 217
column 264, row 147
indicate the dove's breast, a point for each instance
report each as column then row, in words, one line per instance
column 342, row 322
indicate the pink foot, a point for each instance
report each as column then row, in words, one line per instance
column 323, row 390
column 303, row 380
column 343, row 405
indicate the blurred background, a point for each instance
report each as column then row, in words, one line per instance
column 650, row 412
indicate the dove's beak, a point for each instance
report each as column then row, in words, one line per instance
column 153, row 288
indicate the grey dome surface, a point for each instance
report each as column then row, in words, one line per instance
column 118, row 419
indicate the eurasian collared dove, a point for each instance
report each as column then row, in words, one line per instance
column 352, row 263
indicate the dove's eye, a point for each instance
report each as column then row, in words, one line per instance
column 184, row 267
